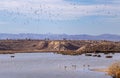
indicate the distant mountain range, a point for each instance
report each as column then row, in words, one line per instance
column 60, row 36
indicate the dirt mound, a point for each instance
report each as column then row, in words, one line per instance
column 99, row 47
column 70, row 46
column 62, row 46
column 42, row 45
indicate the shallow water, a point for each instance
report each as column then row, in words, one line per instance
column 49, row 65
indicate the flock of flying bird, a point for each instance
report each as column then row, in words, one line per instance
column 43, row 11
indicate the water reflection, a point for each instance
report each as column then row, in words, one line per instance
column 44, row 65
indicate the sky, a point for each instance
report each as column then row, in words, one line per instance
column 93, row 17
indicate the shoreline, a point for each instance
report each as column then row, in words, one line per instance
column 100, row 70
column 43, row 51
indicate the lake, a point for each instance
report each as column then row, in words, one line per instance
column 50, row 65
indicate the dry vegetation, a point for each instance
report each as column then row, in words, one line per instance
column 114, row 70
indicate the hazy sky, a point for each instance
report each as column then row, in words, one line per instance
column 60, row 16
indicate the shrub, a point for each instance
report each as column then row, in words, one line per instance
column 114, row 70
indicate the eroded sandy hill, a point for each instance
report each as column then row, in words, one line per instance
column 68, row 46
